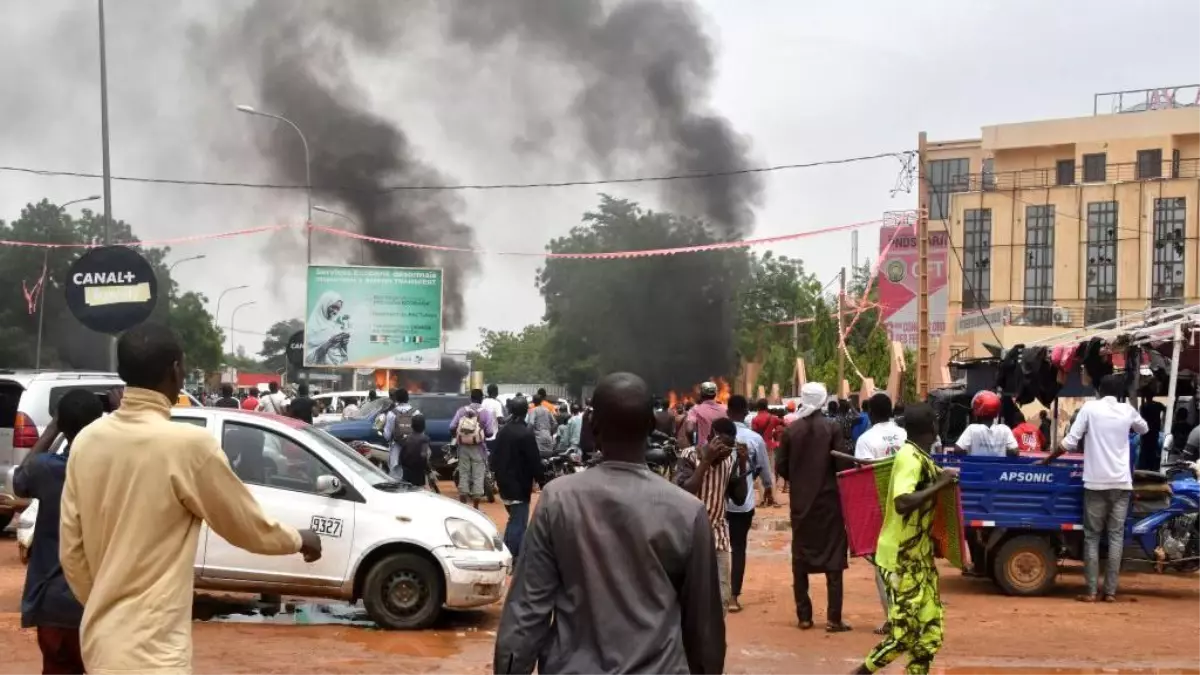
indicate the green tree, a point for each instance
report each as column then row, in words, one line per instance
column 66, row 342
column 667, row 318
column 201, row 340
column 505, row 356
column 274, row 347
column 777, row 289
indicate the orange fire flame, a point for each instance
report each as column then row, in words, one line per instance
column 723, row 392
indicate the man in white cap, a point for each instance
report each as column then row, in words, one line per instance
column 819, row 541
column 696, row 427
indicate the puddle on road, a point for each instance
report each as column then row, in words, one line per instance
column 454, row 631
column 301, row 613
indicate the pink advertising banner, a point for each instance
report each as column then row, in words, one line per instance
column 898, row 283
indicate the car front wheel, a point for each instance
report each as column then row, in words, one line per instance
column 404, row 592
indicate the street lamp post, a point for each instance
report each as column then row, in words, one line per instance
column 232, row 318
column 250, row 110
column 171, row 269
column 362, row 245
column 217, row 315
column 37, row 359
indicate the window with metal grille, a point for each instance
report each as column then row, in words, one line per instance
column 977, row 259
column 1093, row 167
column 946, row 176
column 1169, row 242
column 1064, row 172
column 1149, row 163
column 1101, row 262
column 1039, row 264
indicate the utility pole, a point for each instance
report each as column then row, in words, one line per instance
column 111, row 341
column 854, row 249
column 841, row 341
column 923, row 366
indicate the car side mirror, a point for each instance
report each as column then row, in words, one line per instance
column 329, row 485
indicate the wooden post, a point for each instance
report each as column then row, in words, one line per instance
column 840, row 323
column 923, row 365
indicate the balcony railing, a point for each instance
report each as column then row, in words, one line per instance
column 1050, row 177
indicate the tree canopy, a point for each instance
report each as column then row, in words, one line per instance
column 677, row 320
column 667, row 318
column 66, row 343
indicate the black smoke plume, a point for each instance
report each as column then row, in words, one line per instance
column 296, row 51
column 647, row 70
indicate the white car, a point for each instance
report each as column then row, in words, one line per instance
column 407, row 554
column 28, row 399
column 334, row 403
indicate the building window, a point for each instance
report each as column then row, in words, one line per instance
column 977, row 259
column 1149, row 164
column 1064, row 172
column 946, row 176
column 1039, row 264
column 1101, row 262
column 1169, row 242
column 1175, row 163
column 989, row 173
column 1093, row 167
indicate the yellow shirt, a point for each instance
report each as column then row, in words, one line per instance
column 138, row 486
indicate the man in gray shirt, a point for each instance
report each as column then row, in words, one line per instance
column 618, row 572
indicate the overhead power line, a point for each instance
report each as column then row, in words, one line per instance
column 700, row 175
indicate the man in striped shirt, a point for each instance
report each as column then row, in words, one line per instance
column 706, row 471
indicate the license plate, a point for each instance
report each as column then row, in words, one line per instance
column 327, row 527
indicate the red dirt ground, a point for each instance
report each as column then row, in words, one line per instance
column 1153, row 629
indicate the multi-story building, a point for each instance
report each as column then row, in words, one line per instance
column 1057, row 224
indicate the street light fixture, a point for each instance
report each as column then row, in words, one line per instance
column 362, row 244
column 232, row 318
column 37, row 359
column 250, row 110
column 171, row 269
column 217, row 314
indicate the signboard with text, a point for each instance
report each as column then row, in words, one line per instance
column 376, row 317
column 898, row 283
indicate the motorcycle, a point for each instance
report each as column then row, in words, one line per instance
column 489, row 480
column 662, row 454
column 1171, row 535
column 378, row 455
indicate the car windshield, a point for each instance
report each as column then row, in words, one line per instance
column 439, row 407
column 372, row 407
column 351, row 459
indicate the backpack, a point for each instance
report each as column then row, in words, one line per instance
column 380, row 421
column 470, row 432
column 402, row 428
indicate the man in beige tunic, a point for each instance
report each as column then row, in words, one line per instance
column 138, row 487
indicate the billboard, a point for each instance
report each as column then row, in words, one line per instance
column 898, row 282
column 374, row 317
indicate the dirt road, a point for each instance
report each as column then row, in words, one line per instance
column 1153, row 629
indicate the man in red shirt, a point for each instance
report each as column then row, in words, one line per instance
column 251, row 400
column 1029, row 436
column 768, row 425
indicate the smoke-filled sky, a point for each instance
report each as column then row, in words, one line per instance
column 484, row 92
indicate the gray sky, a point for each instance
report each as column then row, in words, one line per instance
column 805, row 81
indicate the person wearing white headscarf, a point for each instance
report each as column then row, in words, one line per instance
column 325, row 339
column 805, row 459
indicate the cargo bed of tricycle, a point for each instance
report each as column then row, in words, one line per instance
column 1020, row 517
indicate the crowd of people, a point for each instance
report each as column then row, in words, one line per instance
column 616, row 570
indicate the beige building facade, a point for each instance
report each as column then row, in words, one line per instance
column 1057, row 224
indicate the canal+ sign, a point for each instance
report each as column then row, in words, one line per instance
column 111, row 289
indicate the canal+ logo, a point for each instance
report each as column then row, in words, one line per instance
column 1026, row 477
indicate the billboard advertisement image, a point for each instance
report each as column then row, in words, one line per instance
column 898, row 283
column 373, row 317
